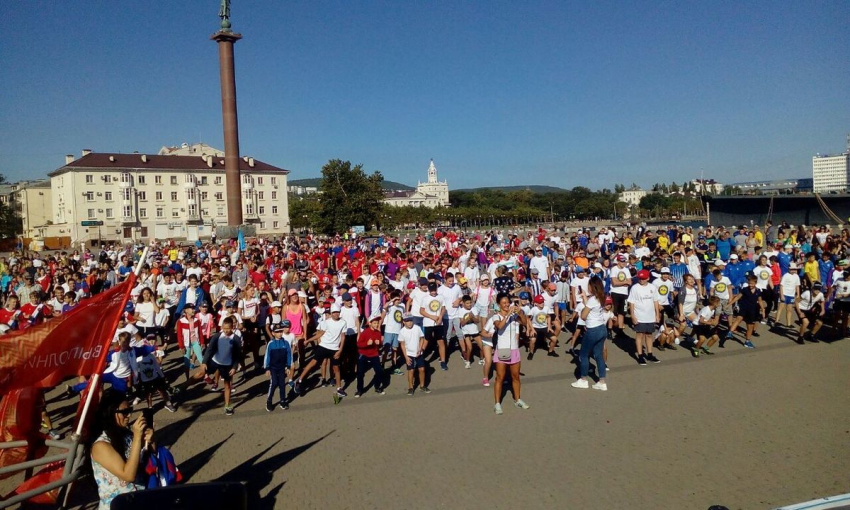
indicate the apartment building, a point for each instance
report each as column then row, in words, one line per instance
column 32, row 201
column 130, row 197
column 831, row 173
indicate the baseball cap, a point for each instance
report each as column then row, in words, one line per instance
column 579, row 269
column 423, row 280
column 719, row 262
column 643, row 274
column 411, row 285
column 291, row 292
column 432, row 287
column 609, row 300
column 335, row 308
column 793, row 266
column 622, row 258
column 524, row 295
column 346, row 297
column 275, row 303
column 229, row 304
column 327, row 304
column 665, row 270
column 407, row 317
column 733, row 257
column 375, row 317
column 534, row 270
column 461, row 280
column 374, row 283
column 538, row 299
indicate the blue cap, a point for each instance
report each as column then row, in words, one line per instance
column 579, row 269
column 524, row 295
column 346, row 297
column 285, row 323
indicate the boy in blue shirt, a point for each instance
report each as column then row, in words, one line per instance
column 278, row 363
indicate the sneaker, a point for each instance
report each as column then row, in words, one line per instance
column 269, row 407
column 397, row 371
column 170, row 408
column 729, row 335
column 410, row 392
column 69, row 392
column 215, row 387
column 283, row 405
column 54, row 435
column 600, row 386
column 485, row 382
column 749, row 345
column 208, row 381
column 291, row 383
column 581, row 384
column 641, row 360
column 553, row 354
column 325, row 383
column 800, row 340
column 341, row 392
column 497, row 408
column 357, row 394
column 671, row 347
column 444, row 366
column 380, row 391
column 706, row 351
column 651, row 357
column 521, row 404
column 136, row 401
column 426, row 389
column 572, row 352
column 676, row 341
column 297, row 387
column 467, row 365
column 337, row 399
column 695, row 353
column 228, row 410
column 481, row 362
column 530, row 356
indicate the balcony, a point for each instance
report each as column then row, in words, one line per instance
column 125, row 184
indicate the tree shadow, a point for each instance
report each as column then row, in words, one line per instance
column 256, row 474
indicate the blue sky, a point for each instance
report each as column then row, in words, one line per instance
column 497, row 92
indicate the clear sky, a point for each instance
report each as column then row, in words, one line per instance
column 497, row 92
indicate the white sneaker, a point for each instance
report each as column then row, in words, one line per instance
column 497, row 408
column 600, row 386
column 580, row 383
column 676, row 341
column 136, row 401
column 466, row 364
column 480, row 361
column 521, row 404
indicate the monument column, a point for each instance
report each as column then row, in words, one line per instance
column 233, row 183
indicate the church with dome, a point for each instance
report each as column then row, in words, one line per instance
column 431, row 193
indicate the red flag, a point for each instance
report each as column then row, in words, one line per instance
column 75, row 343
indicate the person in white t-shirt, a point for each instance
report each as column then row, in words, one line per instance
column 469, row 326
column 393, row 313
column 646, row 313
column 331, row 345
column 810, row 308
column 432, row 308
column 621, row 280
column 506, row 323
column 413, row 343
column 595, row 314
column 789, row 287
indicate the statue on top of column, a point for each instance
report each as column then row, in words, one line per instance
column 224, row 14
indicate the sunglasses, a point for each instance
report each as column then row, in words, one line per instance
column 125, row 412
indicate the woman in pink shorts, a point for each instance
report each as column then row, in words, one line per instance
column 505, row 325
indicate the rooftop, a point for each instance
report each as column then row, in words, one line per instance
column 118, row 161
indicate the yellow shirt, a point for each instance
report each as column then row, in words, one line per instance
column 628, row 241
column 759, row 235
column 812, row 271
column 663, row 242
column 687, row 238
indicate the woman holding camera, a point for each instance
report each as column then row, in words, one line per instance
column 505, row 326
column 117, row 450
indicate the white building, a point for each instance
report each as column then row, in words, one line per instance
column 130, row 197
column 707, row 186
column 432, row 193
column 632, row 196
column 831, row 173
column 34, row 205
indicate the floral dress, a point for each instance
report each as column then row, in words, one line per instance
column 109, row 485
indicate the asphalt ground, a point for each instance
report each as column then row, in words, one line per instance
column 748, row 429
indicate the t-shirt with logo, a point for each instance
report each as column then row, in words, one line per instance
column 539, row 318
column 472, row 327
column 620, row 275
column 665, row 290
column 432, row 304
column 763, row 274
column 393, row 319
column 720, row 287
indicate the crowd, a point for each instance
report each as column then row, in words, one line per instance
column 347, row 307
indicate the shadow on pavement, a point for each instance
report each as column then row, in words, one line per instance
column 258, row 475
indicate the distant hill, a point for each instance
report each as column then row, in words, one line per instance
column 316, row 182
column 533, row 189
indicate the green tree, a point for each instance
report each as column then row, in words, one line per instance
column 349, row 197
column 674, row 188
column 619, row 188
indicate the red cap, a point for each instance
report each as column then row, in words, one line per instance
column 538, row 299
column 609, row 301
column 411, row 285
column 643, row 274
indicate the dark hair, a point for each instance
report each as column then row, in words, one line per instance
column 104, row 421
column 597, row 288
column 502, row 295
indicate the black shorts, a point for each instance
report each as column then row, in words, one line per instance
column 750, row 316
column 701, row 330
column 667, row 311
column 619, row 301
column 433, row 333
column 223, row 370
column 320, row 354
column 541, row 333
column 812, row 315
column 153, row 386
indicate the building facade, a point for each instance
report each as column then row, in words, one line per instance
column 431, row 193
column 632, row 196
column 831, row 173
column 131, row 197
column 34, row 205
column 707, row 186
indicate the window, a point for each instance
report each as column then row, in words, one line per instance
column 262, row 209
column 204, row 180
column 260, row 181
column 126, row 194
column 109, row 213
column 274, row 209
column 249, row 208
column 174, row 180
column 274, row 195
column 219, row 196
column 263, row 225
column 219, row 211
column 91, row 214
column 143, row 213
column 159, row 196
column 126, row 179
column 141, row 179
column 275, row 224
column 218, row 180
column 205, row 212
column 143, row 196
column 193, row 210
column 157, row 179
column 89, row 179
column 274, row 181
column 107, row 179
column 89, row 196
column 205, row 195
column 175, row 213
column 173, row 196
column 160, row 212
column 246, row 179
column 259, row 195
column 128, row 211
column 107, row 196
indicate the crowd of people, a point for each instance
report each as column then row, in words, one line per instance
column 345, row 307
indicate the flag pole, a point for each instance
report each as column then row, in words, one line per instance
column 95, row 380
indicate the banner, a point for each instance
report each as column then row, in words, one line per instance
column 71, row 344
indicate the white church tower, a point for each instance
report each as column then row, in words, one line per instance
column 434, row 187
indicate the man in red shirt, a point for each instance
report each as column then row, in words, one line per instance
column 35, row 311
column 368, row 347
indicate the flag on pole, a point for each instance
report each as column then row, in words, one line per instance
column 241, row 238
column 74, row 343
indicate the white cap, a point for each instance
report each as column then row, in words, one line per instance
column 335, row 308
column 275, row 303
column 719, row 262
column 665, row 270
column 733, row 257
column 792, row 266
column 374, row 316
